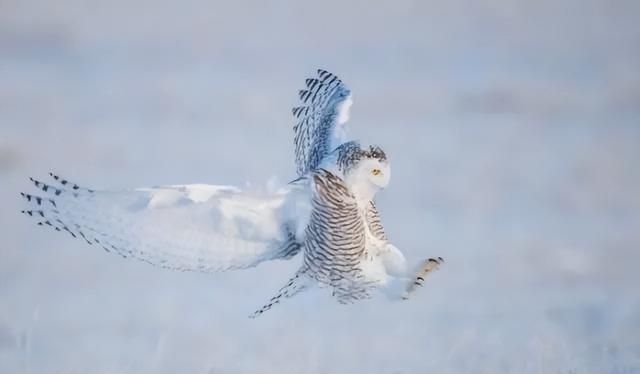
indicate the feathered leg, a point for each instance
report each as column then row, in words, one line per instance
column 426, row 267
column 295, row 285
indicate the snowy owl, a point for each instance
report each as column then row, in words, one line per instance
column 327, row 213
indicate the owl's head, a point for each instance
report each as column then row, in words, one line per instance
column 365, row 170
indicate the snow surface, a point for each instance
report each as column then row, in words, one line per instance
column 513, row 131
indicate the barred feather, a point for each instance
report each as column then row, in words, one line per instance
column 335, row 239
column 324, row 108
column 294, row 286
column 375, row 222
column 334, row 245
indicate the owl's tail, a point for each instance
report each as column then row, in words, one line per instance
column 298, row 283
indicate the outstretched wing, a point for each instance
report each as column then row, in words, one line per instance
column 320, row 120
column 335, row 239
column 190, row 227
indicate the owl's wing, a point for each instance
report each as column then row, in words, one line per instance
column 335, row 239
column 189, row 227
column 320, row 118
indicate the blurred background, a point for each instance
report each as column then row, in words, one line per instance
column 513, row 129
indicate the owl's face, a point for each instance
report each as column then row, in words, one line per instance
column 375, row 171
column 366, row 171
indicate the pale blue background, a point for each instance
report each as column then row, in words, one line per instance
column 513, row 129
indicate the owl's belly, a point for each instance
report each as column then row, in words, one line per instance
column 371, row 264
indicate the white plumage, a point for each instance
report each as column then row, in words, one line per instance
column 328, row 213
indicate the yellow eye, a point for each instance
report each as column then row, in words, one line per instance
column 375, row 171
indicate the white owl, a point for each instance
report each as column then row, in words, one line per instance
column 327, row 213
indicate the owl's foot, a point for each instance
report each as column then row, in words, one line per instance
column 426, row 267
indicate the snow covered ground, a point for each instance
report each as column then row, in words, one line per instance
column 513, row 129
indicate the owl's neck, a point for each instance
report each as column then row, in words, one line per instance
column 363, row 190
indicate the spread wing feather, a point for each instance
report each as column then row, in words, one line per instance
column 188, row 227
column 323, row 110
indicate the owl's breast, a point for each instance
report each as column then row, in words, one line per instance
column 371, row 263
